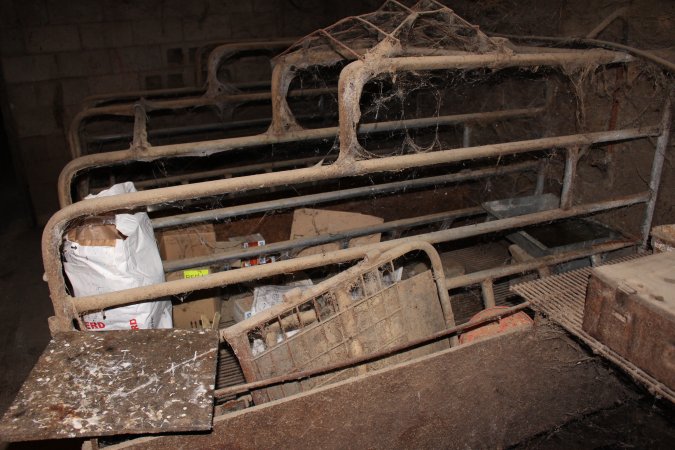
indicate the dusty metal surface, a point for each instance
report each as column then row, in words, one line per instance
column 393, row 38
column 562, row 299
column 117, row 382
column 463, row 397
column 207, row 148
column 353, row 160
column 363, row 310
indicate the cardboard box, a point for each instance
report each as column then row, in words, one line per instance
column 242, row 242
column 313, row 222
column 241, row 308
column 186, row 242
column 197, row 314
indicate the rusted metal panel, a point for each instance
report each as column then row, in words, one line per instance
column 117, row 382
column 472, row 396
column 630, row 307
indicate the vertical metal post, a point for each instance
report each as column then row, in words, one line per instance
column 657, row 168
column 541, row 177
column 466, row 136
column 571, row 160
column 140, row 139
column 488, row 291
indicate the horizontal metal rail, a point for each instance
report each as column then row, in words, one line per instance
column 343, row 194
column 95, row 303
column 68, row 308
column 231, row 171
column 302, row 243
column 345, row 169
column 206, row 148
column 126, row 110
column 188, row 129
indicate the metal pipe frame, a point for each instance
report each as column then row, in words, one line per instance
column 227, row 52
column 657, row 167
column 286, row 248
column 81, row 305
column 206, row 148
column 351, row 82
column 343, row 194
column 212, row 94
column 290, row 61
column 283, row 120
column 220, row 54
column 126, row 110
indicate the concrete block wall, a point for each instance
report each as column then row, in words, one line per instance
column 54, row 53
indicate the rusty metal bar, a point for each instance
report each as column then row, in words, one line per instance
column 466, row 136
column 541, row 177
column 140, row 141
column 126, row 110
column 597, row 43
column 533, row 265
column 164, row 132
column 206, row 148
column 606, row 22
column 487, row 289
column 657, row 168
column 569, row 177
column 232, row 171
column 225, row 52
column 343, row 194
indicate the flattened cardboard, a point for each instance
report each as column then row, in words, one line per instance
column 186, row 242
column 313, row 222
column 191, row 315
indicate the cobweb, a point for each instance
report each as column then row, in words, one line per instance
column 395, row 29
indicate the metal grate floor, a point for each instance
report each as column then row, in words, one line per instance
column 229, row 371
column 562, row 297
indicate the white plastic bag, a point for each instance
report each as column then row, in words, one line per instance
column 102, row 258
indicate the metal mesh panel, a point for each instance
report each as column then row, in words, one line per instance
column 359, row 312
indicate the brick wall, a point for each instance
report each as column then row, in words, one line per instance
column 54, row 53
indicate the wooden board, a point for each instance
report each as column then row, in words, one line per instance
column 491, row 393
column 117, row 382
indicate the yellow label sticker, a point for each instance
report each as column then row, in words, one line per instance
column 195, row 273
